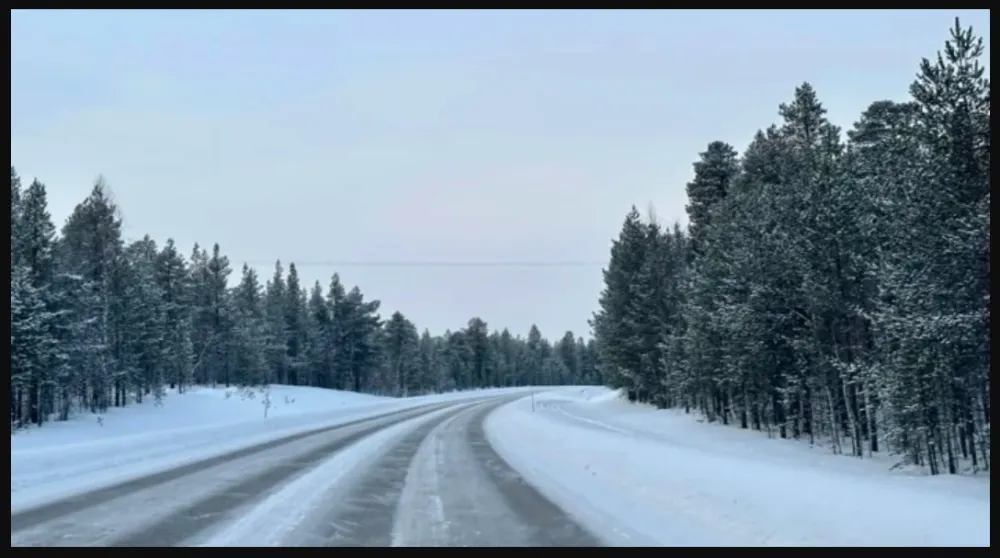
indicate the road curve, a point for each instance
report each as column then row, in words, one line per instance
column 443, row 485
column 166, row 508
column 432, row 480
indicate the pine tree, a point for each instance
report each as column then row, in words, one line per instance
column 173, row 281
column 714, row 173
column 92, row 245
column 15, row 213
column 570, row 356
column 32, row 250
column 616, row 344
column 359, row 328
column 427, row 364
column 96, row 323
column 295, row 328
column 935, row 282
column 36, row 235
column 336, row 296
column 275, row 301
column 249, row 331
column 832, row 291
column 146, row 336
column 32, row 350
column 826, row 290
column 476, row 337
column 401, row 342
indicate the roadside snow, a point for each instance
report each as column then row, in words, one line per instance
column 639, row 477
column 85, row 453
column 197, row 408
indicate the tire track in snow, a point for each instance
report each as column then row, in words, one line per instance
column 38, row 515
column 212, row 509
column 460, row 492
column 300, row 512
column 364, row 516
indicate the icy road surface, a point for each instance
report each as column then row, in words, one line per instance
column 433, row 481
column 63, row 459
column 564, row 467
column 367, row 483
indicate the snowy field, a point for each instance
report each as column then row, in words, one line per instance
column 638, row 476
column 87, row 452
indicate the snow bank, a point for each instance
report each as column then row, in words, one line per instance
column 87, row 452
column 637, row 476
column 198, row 408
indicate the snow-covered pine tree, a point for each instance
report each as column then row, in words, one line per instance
column 274, row 310
column 336, row 295
column 32, row 351
column 218, row 358
column 92, row 247
column 836, row 291
column 172, row 278
column 126, row 322
column 427, row 363
column 359, row 326
column 249, row 332
column 401, row 348
column 145, row 313
column 714, row 173
column 618, row 359
column 33, row 249
column 476, row 336
column 319, row 338
column 567, row 351
column 295, row 328
column 934, row 303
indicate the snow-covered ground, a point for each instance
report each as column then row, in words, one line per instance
column 637, row 476
column 87, row 452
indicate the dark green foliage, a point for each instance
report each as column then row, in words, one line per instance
column 96, row 323
column 826, row 291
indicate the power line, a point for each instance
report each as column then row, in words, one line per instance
column 361, row 263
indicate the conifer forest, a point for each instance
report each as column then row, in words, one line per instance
column 831, row 285
column 97, row 322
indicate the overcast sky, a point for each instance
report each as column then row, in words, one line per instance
column 427, row 136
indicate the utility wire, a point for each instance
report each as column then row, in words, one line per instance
column 362, row 263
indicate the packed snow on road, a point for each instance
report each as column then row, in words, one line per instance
column 90, row 451
column 629, row 474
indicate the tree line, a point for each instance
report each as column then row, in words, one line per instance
column 98, row 322
column 827, row 287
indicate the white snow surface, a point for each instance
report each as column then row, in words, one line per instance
column 637, row 476
column 62, row 459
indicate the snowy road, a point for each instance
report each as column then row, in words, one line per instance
column 591, row 470
column 418, row 477
column 442, row 485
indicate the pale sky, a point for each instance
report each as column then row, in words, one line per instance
column 427, row 136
